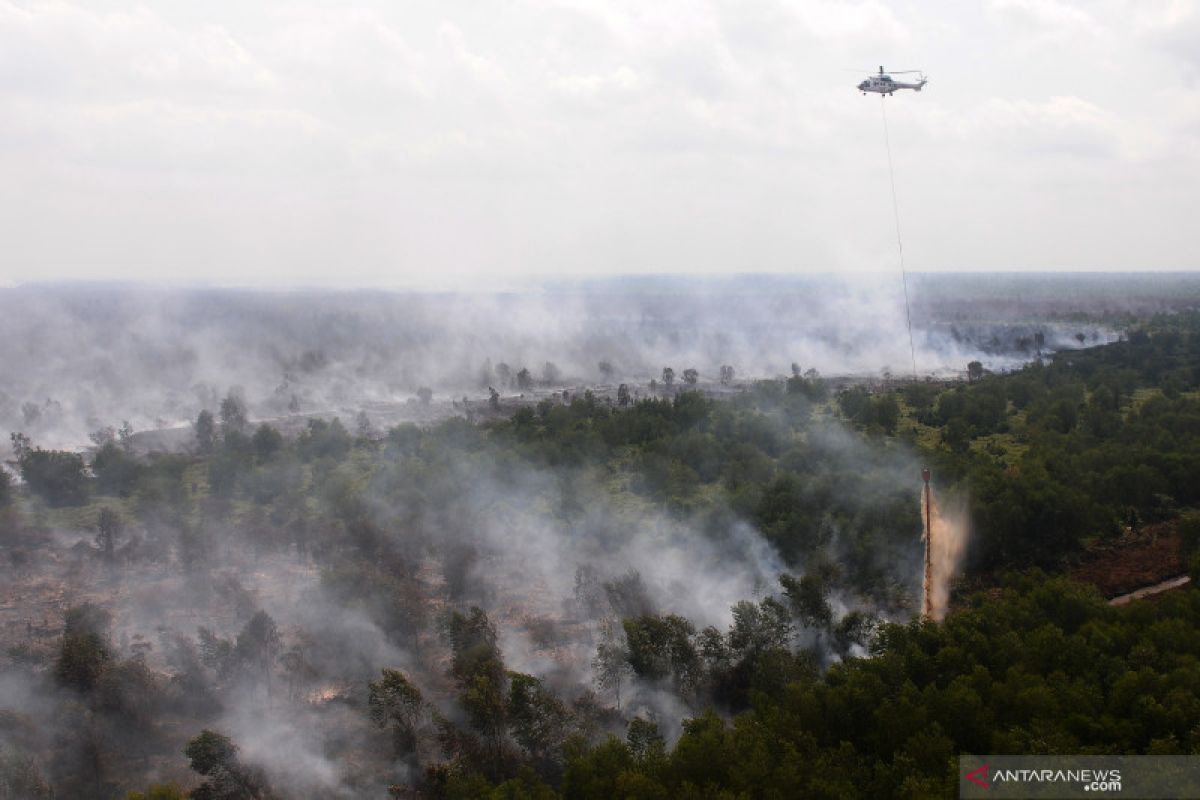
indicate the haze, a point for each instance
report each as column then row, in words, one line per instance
column 460, row 144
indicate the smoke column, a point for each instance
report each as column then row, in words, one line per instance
column 945, row 542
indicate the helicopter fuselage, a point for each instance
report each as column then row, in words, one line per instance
column 885, row 85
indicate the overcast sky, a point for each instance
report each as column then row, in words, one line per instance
column 464, row 143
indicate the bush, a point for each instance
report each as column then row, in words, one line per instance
column 116, row 471
column 85, row 651
column 56, row 476
column 159, row 791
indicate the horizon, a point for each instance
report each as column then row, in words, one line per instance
column 534, row 282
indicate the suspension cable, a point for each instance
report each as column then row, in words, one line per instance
column 912, row 351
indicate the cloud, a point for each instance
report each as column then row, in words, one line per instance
column 1060, row 126
column 65, row 50
column 1047, row 21
column 572, row 137
column 1172, row 26
column 621, row 80
column 869, row 21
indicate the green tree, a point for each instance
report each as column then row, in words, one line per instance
column 205, row 429
column 85, row 652
column 644, row 740
column 601, row 773
column 20, row 445
column 394, row 702
column 258, row 646
column 216, row 758
column 536, row 717
column 324, row 439
column 267, row 442
column 806, row 597
column 233, row 414
column 477, row 667
column 58, row 477
column 125, row 437
column 759, row 626
column 116, row 470
column 611, row 662
column 702, row 757
column 887, row 412
column 627, row 595
column 662, row 647
column 957, row 435
column 108, row 528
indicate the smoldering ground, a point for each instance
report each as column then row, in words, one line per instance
column 356, row 559
column 164, row 680
column 79, row 357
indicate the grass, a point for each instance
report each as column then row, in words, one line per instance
column 1004, row 447
column 925, row 437
column 1139, row 398
column 77, row 518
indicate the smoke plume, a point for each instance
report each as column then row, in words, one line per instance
column 947, row 542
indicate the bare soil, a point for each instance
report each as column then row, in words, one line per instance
column 1139, row 558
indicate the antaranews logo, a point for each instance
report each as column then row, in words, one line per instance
column 978, row 776
column 1104, row 780
column 997, row 777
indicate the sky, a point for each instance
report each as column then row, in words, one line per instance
column 465, row 144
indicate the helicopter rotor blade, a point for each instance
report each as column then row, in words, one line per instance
column 875, row 71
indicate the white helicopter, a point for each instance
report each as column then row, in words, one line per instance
column 883, row 83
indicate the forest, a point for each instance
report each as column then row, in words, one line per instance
column 675, row 594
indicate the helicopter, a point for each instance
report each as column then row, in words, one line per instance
column 883, row 83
